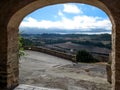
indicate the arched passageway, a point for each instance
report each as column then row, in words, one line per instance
column 12, row 13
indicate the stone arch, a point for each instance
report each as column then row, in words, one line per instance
column 14, row 11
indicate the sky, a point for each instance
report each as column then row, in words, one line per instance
column 67, row 18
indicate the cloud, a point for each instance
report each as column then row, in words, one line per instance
column 60, row 13
column 79, row 22
column 88, row 22
column 82, row 23
column 71, row 8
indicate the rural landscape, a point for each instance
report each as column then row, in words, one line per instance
column 51, row 71
column 97, row 45
column 66, row 47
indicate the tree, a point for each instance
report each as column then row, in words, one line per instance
column 27, row 42
column 84, row 56
column 21, row 49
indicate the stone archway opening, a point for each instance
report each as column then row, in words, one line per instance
column 12, row 33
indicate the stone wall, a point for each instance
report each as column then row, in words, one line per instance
column 53, row 52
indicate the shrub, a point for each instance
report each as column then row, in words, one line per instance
column 21, row 50
column 84, row 56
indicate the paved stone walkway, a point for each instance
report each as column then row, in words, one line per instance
column 29, row 87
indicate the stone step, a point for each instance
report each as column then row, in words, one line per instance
column 29, row 87
column 76, row 88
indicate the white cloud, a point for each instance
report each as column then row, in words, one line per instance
column 71, row 8
column 60, row 13
column 77, row 22
column 89, row 23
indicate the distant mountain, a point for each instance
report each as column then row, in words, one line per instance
column 57, row 31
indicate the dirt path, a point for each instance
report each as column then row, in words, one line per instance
column 49, row 71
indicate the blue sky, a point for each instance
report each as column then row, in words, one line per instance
column 68, row 17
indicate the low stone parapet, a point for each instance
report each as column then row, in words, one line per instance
column 53, row 52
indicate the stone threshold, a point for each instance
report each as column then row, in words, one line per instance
column 30, row 87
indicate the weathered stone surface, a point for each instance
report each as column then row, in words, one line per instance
column 29, row 87
column 13, row 11
column 108, row 69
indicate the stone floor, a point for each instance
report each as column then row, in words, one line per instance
column 29, row 87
